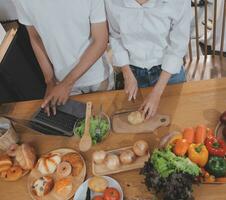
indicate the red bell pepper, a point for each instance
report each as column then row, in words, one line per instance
column 216, row 147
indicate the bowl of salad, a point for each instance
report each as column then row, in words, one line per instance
column 100, row 126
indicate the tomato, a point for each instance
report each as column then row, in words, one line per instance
column 111, row 194
column 98, row 198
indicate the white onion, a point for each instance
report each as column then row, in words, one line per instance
column 127, row 157
column 99, row 157
column 112, row 161
column 140, row 148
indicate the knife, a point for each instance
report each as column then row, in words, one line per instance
column 120, row 112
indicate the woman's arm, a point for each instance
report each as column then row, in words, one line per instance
column 121, row 55
column 173, row 58
column 151, row 103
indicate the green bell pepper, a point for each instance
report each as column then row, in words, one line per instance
column 216, row 166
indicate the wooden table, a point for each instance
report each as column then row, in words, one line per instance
column 188, row 104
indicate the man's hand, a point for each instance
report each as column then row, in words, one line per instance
column 130, row 83
column 58, row 95
column 49, row 88
column 150, row 105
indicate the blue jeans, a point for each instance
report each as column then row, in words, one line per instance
column 147, row 78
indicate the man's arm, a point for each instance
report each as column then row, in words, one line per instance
column 44, row 62
column 41, row 55
column 99, row 35
column 99, row 41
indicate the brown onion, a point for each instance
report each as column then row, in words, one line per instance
column 127, row 157
column 112, row 161
column 99, row 157
column 140, row 148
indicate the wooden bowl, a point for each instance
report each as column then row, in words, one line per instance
column 52, row 195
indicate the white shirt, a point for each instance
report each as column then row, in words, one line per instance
column 7, row 10
column 155, row 33
column 64, row 27
column 2, row 33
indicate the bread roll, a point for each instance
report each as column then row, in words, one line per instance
column 135, row 118
column 63, row 187
column 5, row 162
column 25, row 156
column 98, row 184
column 48, row 163
column 42, row 186
column 76, row 162
column 12, row 174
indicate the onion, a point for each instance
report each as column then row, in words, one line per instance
column 127, row 157
column 112, row 161
column 99, row 157
column 140, row 148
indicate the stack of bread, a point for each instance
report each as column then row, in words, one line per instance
column 17, row 161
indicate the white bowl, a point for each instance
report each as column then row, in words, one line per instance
column 81, row 192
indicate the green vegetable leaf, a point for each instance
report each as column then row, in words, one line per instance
column 165, row 162
column 94, row 124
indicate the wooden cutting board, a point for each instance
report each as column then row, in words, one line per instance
column 102, row 170
column 120, row 124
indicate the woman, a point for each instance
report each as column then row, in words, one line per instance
column 149, row 39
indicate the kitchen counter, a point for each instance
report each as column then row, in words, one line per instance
column 188, row 104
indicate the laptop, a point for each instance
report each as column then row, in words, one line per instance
column 61, row 124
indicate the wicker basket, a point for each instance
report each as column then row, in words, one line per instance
column 10, row 136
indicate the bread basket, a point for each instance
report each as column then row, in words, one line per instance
column 8, row 136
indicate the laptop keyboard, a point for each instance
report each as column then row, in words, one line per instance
column 61, row 120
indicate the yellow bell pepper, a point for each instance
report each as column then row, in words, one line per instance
column 198, row 154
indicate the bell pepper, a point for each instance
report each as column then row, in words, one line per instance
column 216, row 166
column 216, row 147
column 198, row 154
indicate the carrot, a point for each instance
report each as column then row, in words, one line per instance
column 189, row 134
column 200, row 134
column 181, row 147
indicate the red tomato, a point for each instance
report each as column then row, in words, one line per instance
column 98, row 198
column 111, row 194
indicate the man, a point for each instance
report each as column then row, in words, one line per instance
column 68, row 39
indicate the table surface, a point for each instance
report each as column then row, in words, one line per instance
column 187, row 104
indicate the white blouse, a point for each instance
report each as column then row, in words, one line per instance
column 155, row 33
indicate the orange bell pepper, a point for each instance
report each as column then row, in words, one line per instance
column 198, row 154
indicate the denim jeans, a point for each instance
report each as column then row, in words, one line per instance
column 147, row 78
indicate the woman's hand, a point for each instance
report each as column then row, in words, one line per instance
column 58, row 95
column 130, row 83
column 150, row 105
